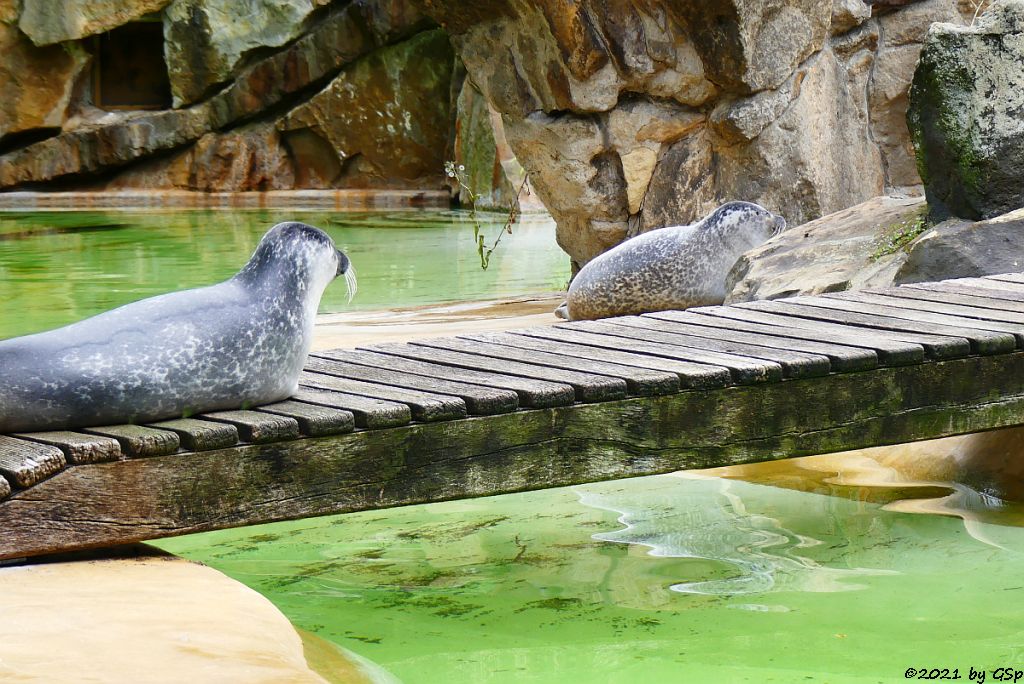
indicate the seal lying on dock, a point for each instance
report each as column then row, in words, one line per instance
column 239, row 343
column 669, row 268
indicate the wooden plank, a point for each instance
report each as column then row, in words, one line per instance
column 426, row 406
column 200, row 435
column 585, row 387
column 963, row 296
column 138, row 441
column 989, row 288
column 480, row 401
column 639, row 381
column 78, row 448
column 938, row 306
column 844, row 358
column 532, row 393
column 256, row 427
column 691, row 375
column 590, row 386
column 314, row 421
column 1008, row 277
column 891, row 350
column 794, row 364
column 369, row 414
column 935, row 346
column 133, row 500
column 986, row 337
column 743, row 370
column 27, row 463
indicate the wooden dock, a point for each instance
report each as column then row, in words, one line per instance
column 396, row 424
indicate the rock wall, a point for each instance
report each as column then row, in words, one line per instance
column 634, row 114
column 266, row 96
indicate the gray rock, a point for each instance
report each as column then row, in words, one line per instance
column 848, row 15
column 56, row 21
column 962, row 249
column 965, row 115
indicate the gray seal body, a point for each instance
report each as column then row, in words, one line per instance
column 239, row 343
column 670, row 268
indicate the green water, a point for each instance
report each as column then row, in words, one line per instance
column 658, row 579
column 59, row 267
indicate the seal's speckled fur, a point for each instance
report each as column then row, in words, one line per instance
column 670, row 268
column 241, row 342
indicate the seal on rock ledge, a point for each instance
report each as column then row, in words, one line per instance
column 242, row 342
column 669, row 268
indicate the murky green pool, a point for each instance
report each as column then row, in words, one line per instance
column 59, row 267
column 658, row 579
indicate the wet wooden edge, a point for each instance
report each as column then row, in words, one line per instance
column 124, row 501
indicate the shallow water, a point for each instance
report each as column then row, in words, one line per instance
column 59, row 267
column 669, row 578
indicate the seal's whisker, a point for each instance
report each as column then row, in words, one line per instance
column 351, row 285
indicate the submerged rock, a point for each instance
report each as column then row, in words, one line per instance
column 965, row 115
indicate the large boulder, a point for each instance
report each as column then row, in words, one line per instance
column 36, row 83
column 385, row 118
column 206, row 41
column 56, row 21
column 477, row 154
column 965, row 114
column 963, row 249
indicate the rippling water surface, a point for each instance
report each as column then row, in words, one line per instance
column 59, row 267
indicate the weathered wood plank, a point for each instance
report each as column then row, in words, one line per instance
column 426, row 406
column 943, row 307
column 200, row 435
column 256, row 427
column 370, row 414
column 27, row 463
column 891, row 349
column 843, row 358
column 589, row 388
column 1008, row 278
column 138, row 441
column 743, row 370
column 990, row 337
column 936, row 346
column 639, row 381
column 532, row 393
column 133, row 500
column 78, row 448
column 978, row 300
column 994, row 288
column 691, row 375
column 794, row 364
column 480, row 401
column 314, row 421
column 965, row 286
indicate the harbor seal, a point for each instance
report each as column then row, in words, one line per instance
column 669, row 268
column 239, row 343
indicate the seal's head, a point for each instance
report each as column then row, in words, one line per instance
column 297, row 258
column 744, row 225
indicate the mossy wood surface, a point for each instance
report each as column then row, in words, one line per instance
column 110, row 503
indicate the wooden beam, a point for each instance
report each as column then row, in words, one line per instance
column 113, row 503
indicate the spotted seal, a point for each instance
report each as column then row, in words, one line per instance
column 669, row 268
column 239, row 343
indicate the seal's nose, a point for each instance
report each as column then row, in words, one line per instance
column 780, row 225
column 343, row 263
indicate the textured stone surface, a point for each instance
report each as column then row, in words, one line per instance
column 386, row 117
column 56, row 21
column 962, row 249
column 848, row 14
column 206, row 41
column 36, row 83
column 965, row 114
column 829, row 254
column 476, row 149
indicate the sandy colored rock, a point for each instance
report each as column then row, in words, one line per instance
column 965, row 105
column 206, row 41
column 386, row 117
column 848, row 14
column 476, row 150
column 829, row 254
column 56, row 21
column 36, row 83
column 149, row 619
